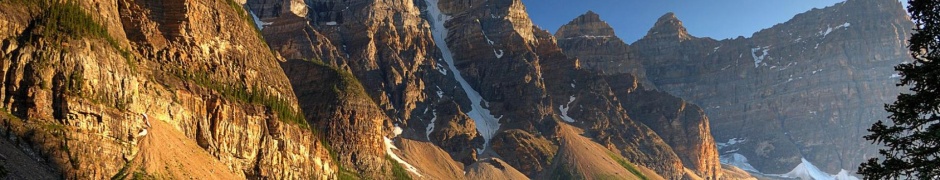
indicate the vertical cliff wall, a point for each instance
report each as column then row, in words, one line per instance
column 102, row 89
column 806, row 88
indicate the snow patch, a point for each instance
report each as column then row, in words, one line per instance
column 146, row 120
column 787, row 66
column 806, row 170
column 564, row 110
column 844, row 25
column 388, row 150
column 498, row 54
column 258, row 23
column 440, row 68
column 331, row 23
column 730, row 142
column 397, row 130
column 590, row 37
column 142, row 133
column 487, row 37
column 830, row 29
column 486, row 123
column 738, row 160
column 759, row 59
column 844, row 175
column 430, row 128
column 440, row 92
column 572, row 85
column 895, row 75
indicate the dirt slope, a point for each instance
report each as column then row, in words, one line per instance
column 165, row 153
column 580, row 158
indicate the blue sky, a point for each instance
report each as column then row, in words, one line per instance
column 718, row 19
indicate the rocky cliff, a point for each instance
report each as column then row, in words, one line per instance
column 681, row 125
column 387, row 47
column 475, row 79
column 593, row 41
column 347, row 118
column 573, row 95
column 804, row 89
column 168, row 89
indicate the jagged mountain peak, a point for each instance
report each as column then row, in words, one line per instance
column 588, row 24
column 589, row 16
column 668, row 25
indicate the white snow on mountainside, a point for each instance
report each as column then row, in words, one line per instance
column 486, row 123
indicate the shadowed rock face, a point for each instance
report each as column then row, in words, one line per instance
column 336, row 103
column 807, row 88
column 593, row 42
column 681, row 125
column 495, row 51
column 587, row 100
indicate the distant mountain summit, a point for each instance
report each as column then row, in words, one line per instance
column 807, row 88
column 588, row 25
column 593, row 42
column 668, row 26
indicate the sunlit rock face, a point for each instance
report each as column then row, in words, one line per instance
column 807, row 88
column 387, row 47
column 179, row 88
column 475, row 79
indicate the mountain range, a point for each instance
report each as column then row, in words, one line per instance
column 432, row 89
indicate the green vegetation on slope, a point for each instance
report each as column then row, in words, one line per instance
column 346, row 174
column 57, row 23
column 254, row 95
column 347, row 83
column 67, row 19
column 627, row 165
column 337, row 85
column 563, row 173
column 121, row 174
column 243, row 13
column 398, row 172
